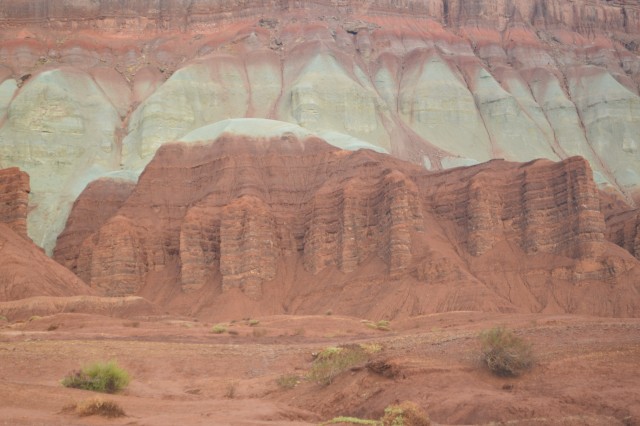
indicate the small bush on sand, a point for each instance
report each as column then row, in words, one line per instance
column 287, row 381
column 231, row 390
column 99, row 377
column 96, row 407
column 382, row 325
column 332, row 361
column 219, row 329
column 350, row 420
column 504, row 353
column 405, row 414
column 259, row 332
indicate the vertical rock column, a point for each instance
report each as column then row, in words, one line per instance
column 14, row 199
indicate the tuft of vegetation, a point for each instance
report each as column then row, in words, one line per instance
column 99, row 377
column 231, row 390
column 35, row 318
column 350, row 420
column 53, row 327
column 332, row 361
column 96, row 407
column 259, row 332
column 371, row 348
column 287, row 381
column 382, row 325
column 219, row 329
column 504, row 353
column 405, row 414
column 3, row 318
column 253, row 322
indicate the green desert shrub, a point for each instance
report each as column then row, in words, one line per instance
column 351, row 421
column 219, row 329
column 504, row 353
column 334, row 360
column 99, row 377
column 382, row 325
column 287, row 381
column 405, row 414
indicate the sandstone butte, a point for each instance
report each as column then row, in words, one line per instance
column 445, row 165
column 91, row 89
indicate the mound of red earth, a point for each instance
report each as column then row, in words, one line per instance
column 283, row 225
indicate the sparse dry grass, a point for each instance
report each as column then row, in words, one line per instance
column 95, row 407
column 504, row 353
column 219, row 329
column 287, row 381
column 405, row 414
column 382, row 325
column 332, row 361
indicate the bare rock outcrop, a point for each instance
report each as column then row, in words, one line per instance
column 14, row 199
column 25, row 271
column 298, row 225
column 541, row 206
column 100, row 201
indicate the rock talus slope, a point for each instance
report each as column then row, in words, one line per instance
column 283, row 224
column 100, row 85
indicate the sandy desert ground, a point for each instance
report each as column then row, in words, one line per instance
column 586, row 370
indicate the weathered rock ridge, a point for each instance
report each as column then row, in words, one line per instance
column 14, row 199
column 25, row 271
column 138, row 15
column 299, row 226
column 92, row 88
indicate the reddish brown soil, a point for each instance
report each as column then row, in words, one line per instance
column 585, row 371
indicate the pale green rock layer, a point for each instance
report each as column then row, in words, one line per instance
column 67, row 127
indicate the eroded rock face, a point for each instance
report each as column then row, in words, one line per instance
column 25, row 271
column 14, row 199
column 100, row 200
column 100, row 87
column 278, row 218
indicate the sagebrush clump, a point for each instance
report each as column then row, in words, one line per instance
column 504, row 353
column 288, row 381
column 99, row 377
column 405, row 414
column 96, row 407
column 334, row 360
column 219, row 329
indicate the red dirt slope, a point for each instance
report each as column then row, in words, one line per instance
column 25, row 271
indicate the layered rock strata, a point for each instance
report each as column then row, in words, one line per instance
column 98, row 86
column 278, row 218
column 14, row 199
column 25, row 271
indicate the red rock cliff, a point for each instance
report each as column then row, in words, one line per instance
column 14, row 199
column 277, row 218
